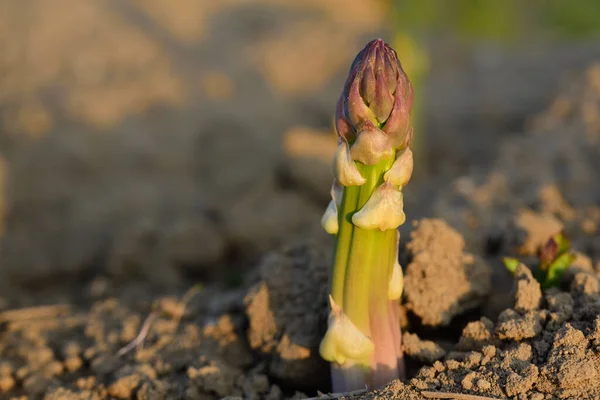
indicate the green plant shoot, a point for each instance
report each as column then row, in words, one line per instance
column 373, row 162
column 555, row 257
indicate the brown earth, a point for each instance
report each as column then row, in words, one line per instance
column 144, row 147
column 262, row 342
column 441, row 281
column 205, row 348
column 532, row 352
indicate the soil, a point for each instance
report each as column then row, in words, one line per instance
column 145, row 148
column 441, row 280
column 544, row 347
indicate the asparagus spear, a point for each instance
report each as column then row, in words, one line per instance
column 372, row 164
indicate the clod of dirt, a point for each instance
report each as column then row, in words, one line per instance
column 528, row 293
column 217, row 378
column 559, row 303
column 287, row 310
column 442, row 280
column 227, row 342
column 476, row 335
column 124, row 387
column 584, row 283
column 515, row 326
column 571, row 366
column 425, row 351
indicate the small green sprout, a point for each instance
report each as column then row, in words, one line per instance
column 555, row 257
column 511, row 264
column 372, row 163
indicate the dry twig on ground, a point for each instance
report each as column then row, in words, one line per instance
column 455, row 396
column 175, row 312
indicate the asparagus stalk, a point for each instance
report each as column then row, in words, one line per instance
column 372, row 164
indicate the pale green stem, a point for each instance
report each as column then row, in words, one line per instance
column 361, row 274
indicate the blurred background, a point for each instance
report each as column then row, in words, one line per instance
column 174, row 141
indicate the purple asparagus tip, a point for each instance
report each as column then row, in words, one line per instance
column 377, row 94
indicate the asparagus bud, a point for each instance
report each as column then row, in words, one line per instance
column 346, row 171
column 377, row 92
column 402, row 168
column 372, row 165
column 396, row 286
column 329, row 222
column 343, row 340
column 383, row 211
